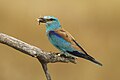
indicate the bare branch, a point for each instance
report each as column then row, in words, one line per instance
column 42, row 56
column 44, row 66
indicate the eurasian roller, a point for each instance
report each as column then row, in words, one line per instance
column 63, row 40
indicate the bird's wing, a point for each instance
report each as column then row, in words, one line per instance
column 68, row 37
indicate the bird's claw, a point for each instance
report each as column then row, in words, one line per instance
column 66, row 56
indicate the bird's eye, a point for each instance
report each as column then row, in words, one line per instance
column 52, row 19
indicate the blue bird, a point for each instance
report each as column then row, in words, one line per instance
column 63, row 40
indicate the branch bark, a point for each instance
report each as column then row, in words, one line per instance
column 43, row 56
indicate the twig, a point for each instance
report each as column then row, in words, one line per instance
column 43, row 57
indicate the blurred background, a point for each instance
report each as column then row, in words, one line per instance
column 94, row 23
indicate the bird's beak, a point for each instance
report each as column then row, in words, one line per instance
column 41, row 20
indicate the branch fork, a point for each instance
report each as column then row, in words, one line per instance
column 43, row 56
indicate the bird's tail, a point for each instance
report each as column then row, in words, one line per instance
column 85, row 56
column 88, row 57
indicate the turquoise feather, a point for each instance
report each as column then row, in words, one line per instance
column 63, row 40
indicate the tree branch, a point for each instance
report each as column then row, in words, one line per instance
column 44, row 66
column 43, row 57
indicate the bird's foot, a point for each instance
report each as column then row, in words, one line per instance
column 66, row 56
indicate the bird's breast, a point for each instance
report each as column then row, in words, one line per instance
column 58, row 41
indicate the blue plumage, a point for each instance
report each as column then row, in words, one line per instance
column 59, row 42
column 63, row 40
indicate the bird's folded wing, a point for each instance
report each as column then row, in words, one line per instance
column 68, row 37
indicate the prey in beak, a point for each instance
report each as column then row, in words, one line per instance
column 41, row 20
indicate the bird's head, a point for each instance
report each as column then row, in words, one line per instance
column 51, row 22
